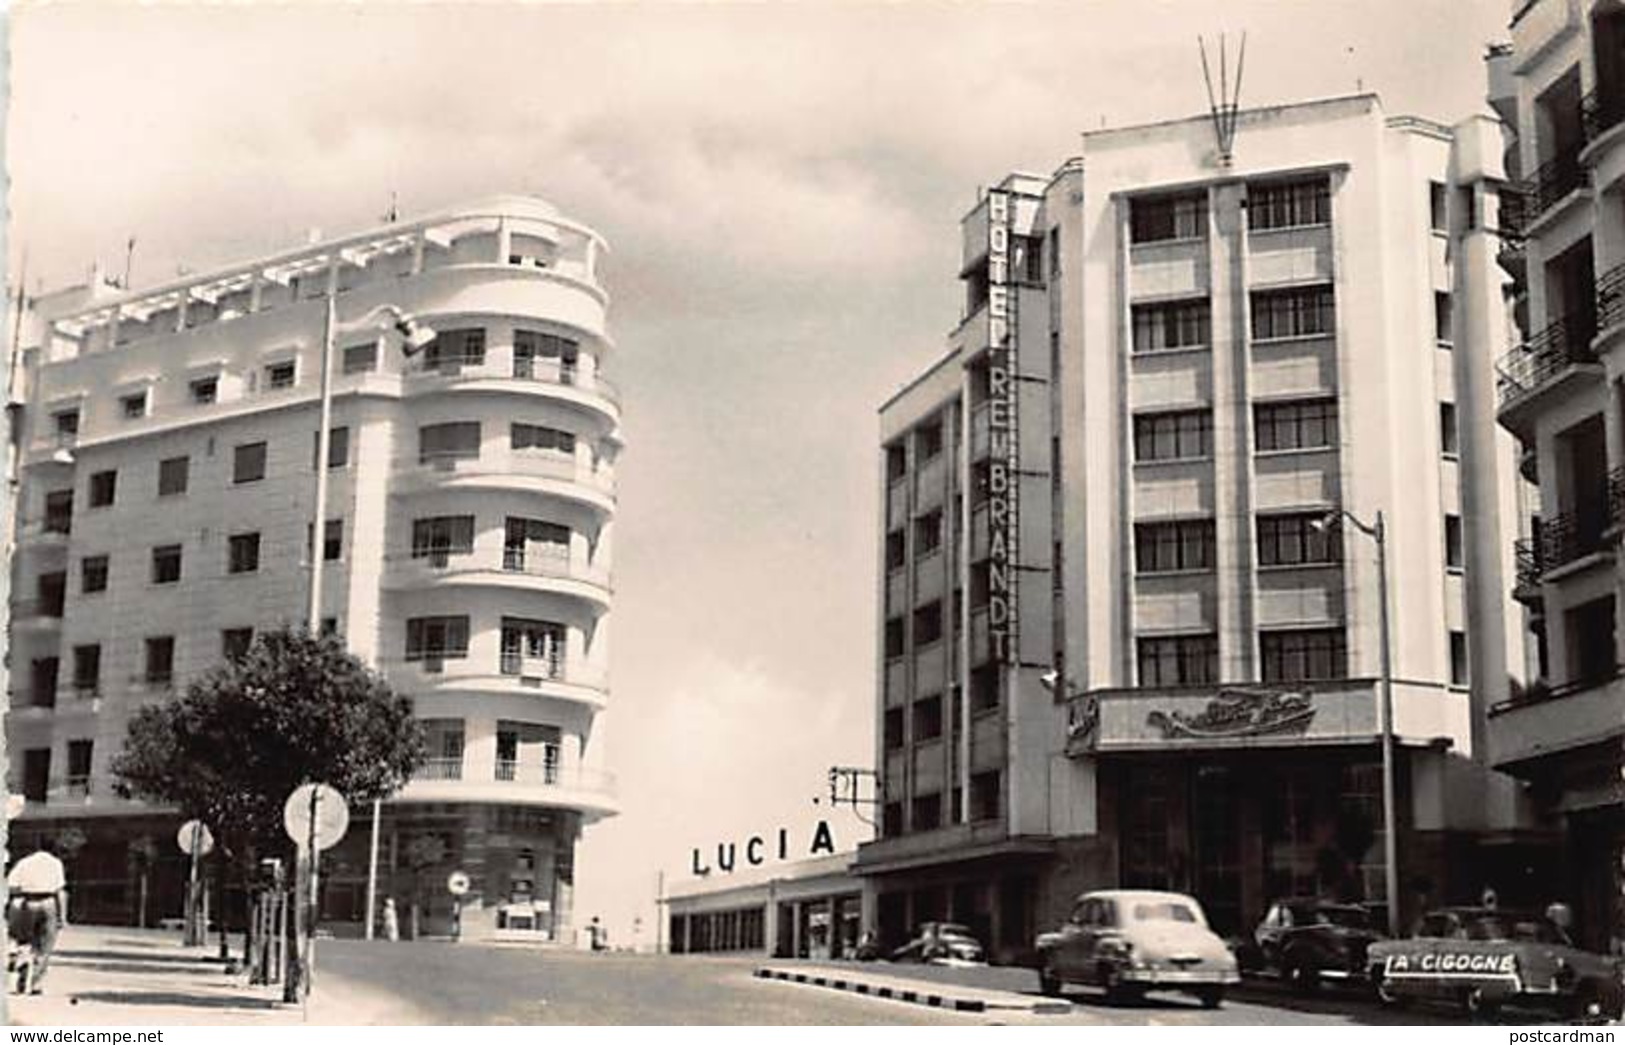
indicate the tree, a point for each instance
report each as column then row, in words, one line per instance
column 295, row 708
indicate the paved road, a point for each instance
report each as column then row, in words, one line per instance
column 473, row 984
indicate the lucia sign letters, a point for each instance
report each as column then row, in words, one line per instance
column 757, row 850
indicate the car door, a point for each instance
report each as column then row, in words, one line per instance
column 1270, row 933
column 1067, row 953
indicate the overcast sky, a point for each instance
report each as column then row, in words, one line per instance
column 781, row 186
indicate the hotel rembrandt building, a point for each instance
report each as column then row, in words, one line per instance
column 164, row 515
column 1127, row 636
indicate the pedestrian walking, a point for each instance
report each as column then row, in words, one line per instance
column 392, row 921
column 40, row 885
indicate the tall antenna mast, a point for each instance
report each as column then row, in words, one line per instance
column 1223, row 105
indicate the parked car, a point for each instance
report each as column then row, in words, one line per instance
column 1130, row 941
column 941, row 943
column 1484, row 957
column 1306, row 942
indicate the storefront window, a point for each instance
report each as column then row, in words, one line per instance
column 1145, row 828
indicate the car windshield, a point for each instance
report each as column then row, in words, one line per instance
column 951, row 929
column 1345, row 917
column 1164, row 911
column 1508, row 925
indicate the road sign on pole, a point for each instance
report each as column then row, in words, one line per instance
column 457, row 883
column 315, row 817
column 196, row 842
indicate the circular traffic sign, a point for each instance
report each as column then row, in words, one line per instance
column 14, row 806
column 315, row 807
column 457, row 883
column 194, row 838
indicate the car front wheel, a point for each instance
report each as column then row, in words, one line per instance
column 1386, row 994
column 1211, row 997
column 1048, row 982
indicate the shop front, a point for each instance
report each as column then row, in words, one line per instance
column 808, row 909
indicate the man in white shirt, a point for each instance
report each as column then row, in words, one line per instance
column 38, row 886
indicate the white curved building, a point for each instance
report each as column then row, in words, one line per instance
column 167, row 490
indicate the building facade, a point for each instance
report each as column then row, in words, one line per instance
column 1130, row 610
column 807, row 909
column 1561, row 85
column 167, row 477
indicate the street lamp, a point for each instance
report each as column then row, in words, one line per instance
column 414, row 336
column 1378, row 533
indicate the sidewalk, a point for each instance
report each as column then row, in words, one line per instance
column 144, row 977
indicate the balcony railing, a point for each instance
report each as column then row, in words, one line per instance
column 1600, row 113
column 1569, row 536
column 547, row 667
column 1611, row 298
column 516, row 772
column 1527, row 368
column 1515, row 203
column 1556, row 178
column 77, row 786
column 441, row 769
column 1616, row 496
column 49, row 606
column 1539, row 691
column 1526, row 556
column 543, row 371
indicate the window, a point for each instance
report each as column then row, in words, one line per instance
column 1449, row 437
column 87, row 669
column 133, row 406
column 439, row 537
column 66, row 422
column 435, row 638
column 160, row 660
column 361, row 359
column 893, row 728
column 243, row 555
column 1054, row 251
column 59, row 511
column 896, row 462
column 36, row 774
column 79, row 761
column 53, row 593
column 1297, row 540
column 42, row 682
column 896, row 550
column 1458, row 658
column 559, row 356
column 1289, row 204
column 1175, row 436
column 204, row 390
column 1027, row 260
column 280, row 375
column 927, row 812
column 236, row 642
column 1179, row 660
column 103, row 488
column 93, row 574
column 532, row 543
column 248, row 463
column 1438, row 219
column 1176, row 324
column 894, row 638
column 984, row 795
column 330, row 626
column 928, row 623
column 1156, row 218
column 1443, row 325
column 928, row 441
column 1453, row 555
column 1307, row 655
column 532, row 647
column 985, row 692
column 1300, row 425
column 891, row 818
column 1163, row 547
column 173, row 474
column 338, row 447
column 445, row 444
column 451, row 349
column 928, row 533
column 539, row 437
column 166, row 564
column 1293, row 312
column 928, row 718
column 332, row 540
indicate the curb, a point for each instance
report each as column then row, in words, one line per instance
column 908, row 995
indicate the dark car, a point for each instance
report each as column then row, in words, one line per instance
column 941, row 943
column 1483, row 958
column 1307, row 942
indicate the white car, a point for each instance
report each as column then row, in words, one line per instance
column 1132, row 941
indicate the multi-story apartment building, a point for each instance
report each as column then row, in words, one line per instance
column 167, row 488
column 1180, row 365
column 1561, row 84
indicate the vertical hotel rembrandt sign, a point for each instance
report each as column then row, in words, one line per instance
column 1003, row 444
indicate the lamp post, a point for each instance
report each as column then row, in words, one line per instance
column 414, row 336
column 1378, row 533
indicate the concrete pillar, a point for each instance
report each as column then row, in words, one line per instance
column 479, row 749
column 504, row 241
column 1232, row 461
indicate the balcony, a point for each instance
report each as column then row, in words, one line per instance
column 1545, row 720
column 1570, row 536
column 527, row 569
column 42, row 612
column 511, row 781
column 542, row 472
column 77, row 786
column 1542, row 361
column 1611, row 299
column 512, row 372
column 513, row 771
column 440, row 769
column 536, row 667
column 1526, row 557
column 1600, row 114
column 1555, row 179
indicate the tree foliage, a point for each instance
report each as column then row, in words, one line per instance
column 294, row 709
